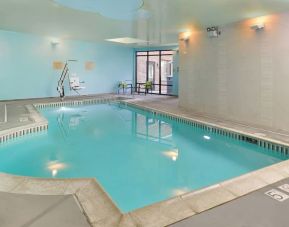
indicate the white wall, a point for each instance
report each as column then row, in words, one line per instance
column 242, row 76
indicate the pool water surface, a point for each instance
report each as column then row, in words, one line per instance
column 138, row 158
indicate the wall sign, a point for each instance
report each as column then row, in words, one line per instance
column 58, row 65
column 89, row 65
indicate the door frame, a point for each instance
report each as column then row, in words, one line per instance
column 147, row 55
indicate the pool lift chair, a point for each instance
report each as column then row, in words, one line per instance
column 74, row 82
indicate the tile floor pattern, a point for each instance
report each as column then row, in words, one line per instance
column 253, row 210
column 18, row 116
column 19, row 210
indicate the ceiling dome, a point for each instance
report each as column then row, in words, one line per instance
column 116, row 9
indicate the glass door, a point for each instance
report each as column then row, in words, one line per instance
column 154, row 61
column 167, row 72
column 156, row 67
column 141, row 71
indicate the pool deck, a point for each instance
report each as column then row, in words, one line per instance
column 95, row 204
column 44, row 211
column 170, row 105
column 253, row 210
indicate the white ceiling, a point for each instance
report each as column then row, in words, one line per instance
column 168, row 18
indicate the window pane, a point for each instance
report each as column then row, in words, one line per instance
column 141, row 53
column 167, row 74
column 154, row 67
column 141, row 69
column 154, row 53
column 168, row 52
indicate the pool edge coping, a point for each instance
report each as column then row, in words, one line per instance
column 208, row 124
column 39, row 123
column 104, row 210
column 162, row 213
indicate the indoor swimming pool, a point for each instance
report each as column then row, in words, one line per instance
column 137, row 157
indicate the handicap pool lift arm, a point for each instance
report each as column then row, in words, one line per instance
column 64, row 75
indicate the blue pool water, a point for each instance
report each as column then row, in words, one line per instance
column 138, row 159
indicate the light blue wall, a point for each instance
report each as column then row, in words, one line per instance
column 26, row 65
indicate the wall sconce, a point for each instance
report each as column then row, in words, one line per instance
column 258, row 27
column 185, row 37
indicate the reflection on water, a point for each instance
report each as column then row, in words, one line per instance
column 153, row 129
column 55, row 167
column 173, row 154
column 75, row 120
column 67, row 122
column 207, row 137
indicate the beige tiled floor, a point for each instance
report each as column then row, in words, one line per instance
column 253, row 210
column 20, row 210
column 18, row 116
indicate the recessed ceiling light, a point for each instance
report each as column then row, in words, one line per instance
column 127, row 40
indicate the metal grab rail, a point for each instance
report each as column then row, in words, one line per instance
column 140, row 86
column 123, row 89
column 167, row 85
column 146, row 91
